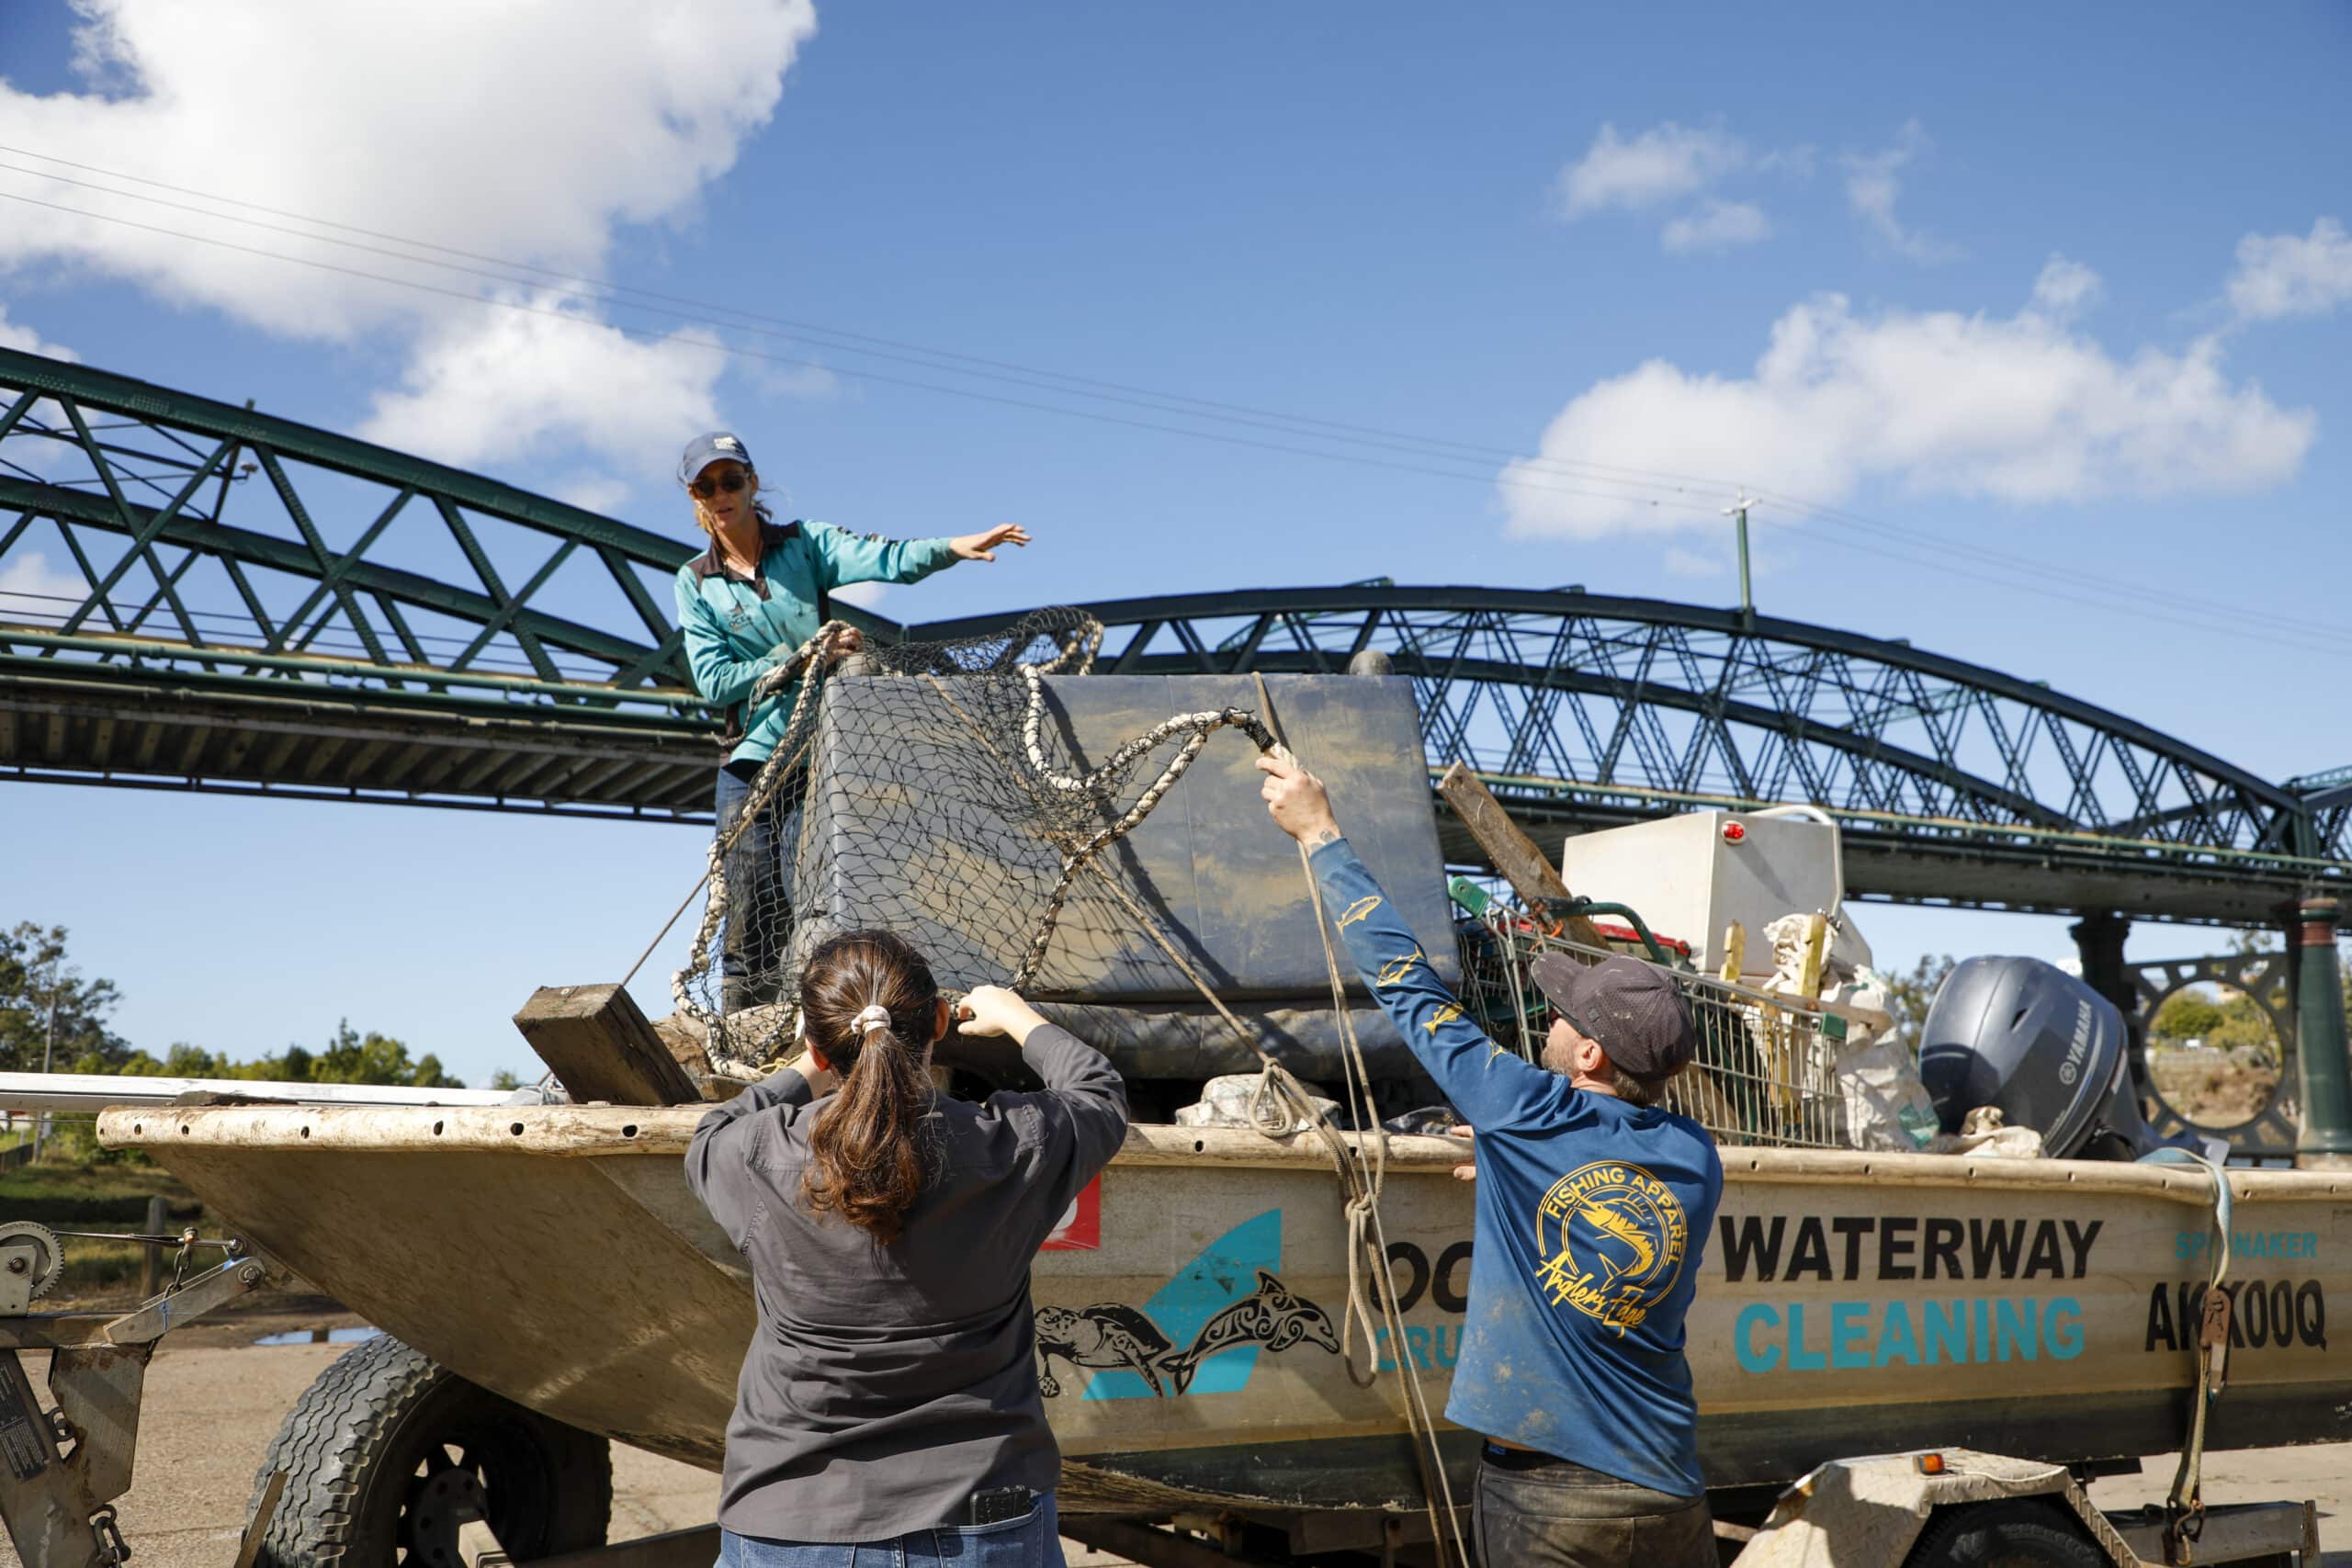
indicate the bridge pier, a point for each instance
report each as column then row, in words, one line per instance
column 2326, row 1142
column 2098, row 943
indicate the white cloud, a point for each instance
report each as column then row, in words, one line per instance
column 532, row 130
column 865, row 595
column 1681, row 562
column 31, row 592
column 2064, row 287
column 1716, row 225
column 595, row 492
column 1662, row 164
column 13, row 335
column 2022, row 408
column 1873, row 183
column 520, row 385
column 2287, row 274
column 526, row 131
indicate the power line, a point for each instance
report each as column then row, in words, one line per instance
column 802, row 328
column 2098, row 593
column 641, row 336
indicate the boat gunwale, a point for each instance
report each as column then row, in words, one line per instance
column 577, row 1131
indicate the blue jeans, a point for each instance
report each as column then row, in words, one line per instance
column 1032, row 1541
column 759, row 897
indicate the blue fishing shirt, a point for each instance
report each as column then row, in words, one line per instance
column 1592, row 1214
column 733, row 625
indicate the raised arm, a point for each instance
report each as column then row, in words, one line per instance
column 721, row 1140
column 847, row 558
column 1491, row 1085
column 1086, row 1103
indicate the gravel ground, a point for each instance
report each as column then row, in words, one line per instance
column 214, row 1401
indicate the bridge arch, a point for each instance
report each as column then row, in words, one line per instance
column 238, row 601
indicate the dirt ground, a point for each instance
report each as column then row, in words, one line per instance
column 2216, row 1088
column 214, row 1400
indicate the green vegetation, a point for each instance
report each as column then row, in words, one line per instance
column 48, row 1011
column 1909, row 996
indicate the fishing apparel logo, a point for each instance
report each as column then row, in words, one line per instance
column 1613, row 1237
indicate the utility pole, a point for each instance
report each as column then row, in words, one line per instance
column 1747, row 597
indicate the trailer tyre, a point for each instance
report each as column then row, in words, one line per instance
column 2016, row 1532
column 386, row 1454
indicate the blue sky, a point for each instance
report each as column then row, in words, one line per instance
column 2069, row 284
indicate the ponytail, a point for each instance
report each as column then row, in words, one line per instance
column 868, row 1002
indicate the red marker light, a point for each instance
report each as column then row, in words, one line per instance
column 1734, row 832
column 1931, row 1464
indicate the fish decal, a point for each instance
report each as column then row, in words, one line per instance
column 1359, row 910
column 1114, row 1335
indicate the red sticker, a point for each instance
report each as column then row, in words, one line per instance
column 1080, row 1229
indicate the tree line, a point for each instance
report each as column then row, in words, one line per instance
column 49, row 1012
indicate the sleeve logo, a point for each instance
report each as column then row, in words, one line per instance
column 1359, row 910
column 1613, row 1238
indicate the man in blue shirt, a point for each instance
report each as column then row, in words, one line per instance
column 1594, row 1203
column 745, row 606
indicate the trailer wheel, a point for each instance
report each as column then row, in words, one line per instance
column 386, row 1454
column 2016, row 1532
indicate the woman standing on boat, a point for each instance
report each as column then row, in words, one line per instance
column 746, row 606
column 889, row 1398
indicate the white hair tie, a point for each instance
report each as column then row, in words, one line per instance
column 870, row 1019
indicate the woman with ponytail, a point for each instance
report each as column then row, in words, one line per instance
column 889, row 1399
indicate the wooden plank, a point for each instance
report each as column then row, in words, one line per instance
column 1524, row 866
column 602, row 1047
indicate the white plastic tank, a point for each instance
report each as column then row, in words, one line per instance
column 1691, row 876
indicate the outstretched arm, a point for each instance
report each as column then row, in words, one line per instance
column 1489, row 1084
column 844, row 558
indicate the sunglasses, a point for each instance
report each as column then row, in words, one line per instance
column 706, row 487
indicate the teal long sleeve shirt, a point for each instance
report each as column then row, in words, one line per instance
column 1593, row 1213
column 733, row 627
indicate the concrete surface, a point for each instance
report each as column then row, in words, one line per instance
column 214, row 1401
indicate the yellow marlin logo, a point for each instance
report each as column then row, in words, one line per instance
column 1443, row 1015
column 1358, row 910
column 1606, row 1219
column 1394, row 972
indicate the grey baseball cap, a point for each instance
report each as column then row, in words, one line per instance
column 1631, row 1009
column 718, row 447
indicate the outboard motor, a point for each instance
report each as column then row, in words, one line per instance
column 2038, row 1042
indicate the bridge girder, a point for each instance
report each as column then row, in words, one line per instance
column 279, row 567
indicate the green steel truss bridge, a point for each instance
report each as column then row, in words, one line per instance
column 194, row 595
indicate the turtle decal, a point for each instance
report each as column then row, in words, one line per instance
column 1108, row 1335
column 1114, row 1336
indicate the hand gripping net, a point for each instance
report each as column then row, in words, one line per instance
column 968, row 803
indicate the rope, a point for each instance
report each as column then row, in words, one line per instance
column 1196, row 726
column 1366, row 1233
column 790, row 749
column 1279, row 1105
column 2185, row 1505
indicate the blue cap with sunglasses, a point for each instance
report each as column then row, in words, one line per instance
column 718, row 447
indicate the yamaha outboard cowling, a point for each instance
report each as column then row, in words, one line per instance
column 2049, row 1050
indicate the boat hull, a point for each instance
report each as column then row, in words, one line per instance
column 1191, row 1309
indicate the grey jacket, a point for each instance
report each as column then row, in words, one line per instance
column 887, row 1384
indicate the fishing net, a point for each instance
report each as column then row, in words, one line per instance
column 933, row 788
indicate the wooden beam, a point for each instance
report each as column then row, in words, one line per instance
column 1524, row 866
column 602, row 1047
